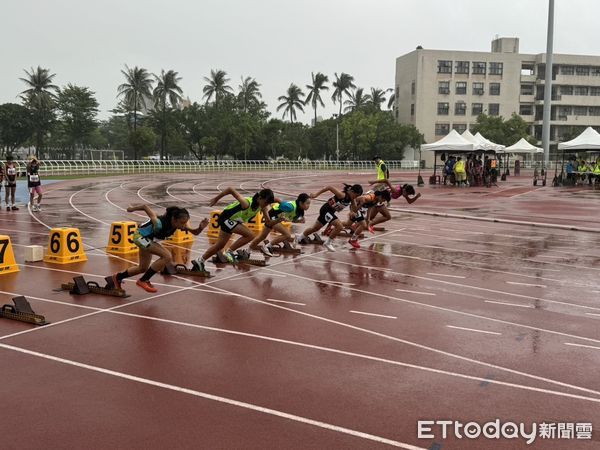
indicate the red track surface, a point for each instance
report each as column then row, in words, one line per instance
column 473, row 321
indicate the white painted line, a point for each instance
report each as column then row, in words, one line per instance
column 550, row 256
column 270, row 275
column 508, row 304
column 415, row 292
column 374, row 315
column 286, row 302
column 471, row 329
column 337, row 282
column 444, row 275
column 592, row 314
column 582, row 345
column 216, row 398
column 540, row 268
column 526, row 284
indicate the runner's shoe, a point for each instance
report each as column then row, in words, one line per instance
column 146, row 285
column 354, row 243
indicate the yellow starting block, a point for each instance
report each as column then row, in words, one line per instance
column 120, row 240
column 7, row 256
column 65, row 246
column 213, row 226
column 257, row 223
column 180, row 237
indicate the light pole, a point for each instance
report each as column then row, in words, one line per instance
column 337, row 138
column 548, row 86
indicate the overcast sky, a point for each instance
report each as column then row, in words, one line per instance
column 276, row 41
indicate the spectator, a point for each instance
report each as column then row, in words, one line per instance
column 460, row 173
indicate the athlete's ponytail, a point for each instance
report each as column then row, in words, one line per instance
column 356, row 188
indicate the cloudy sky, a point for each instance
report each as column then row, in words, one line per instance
column 276, row 41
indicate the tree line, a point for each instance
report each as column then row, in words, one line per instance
column 151, row 117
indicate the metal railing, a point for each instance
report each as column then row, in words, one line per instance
column 124, row 167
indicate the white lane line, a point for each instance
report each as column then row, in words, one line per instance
column 374, row 315
column 444, row 275
column 582, row 345
column 229, row 401
column 415, row 292
column 592, row 314
column 542, row 268
column 516, row 283
column 286, row 302
column 508, row 304
column 337, row 282
column 472, row 329
column 550, row 256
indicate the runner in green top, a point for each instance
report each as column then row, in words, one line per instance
column 232, row 220
column 289, row 212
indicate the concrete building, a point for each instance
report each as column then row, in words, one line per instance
column 438, row 90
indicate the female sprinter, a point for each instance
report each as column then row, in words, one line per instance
column 157, row 227
column 289, row 211
column 232, row 221
column 406, row 191
column 359, row 221
column 335, row 204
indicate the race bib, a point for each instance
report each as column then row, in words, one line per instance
column 11, row 171
column 34, row 178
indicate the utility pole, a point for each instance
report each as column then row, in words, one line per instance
column 548, row 86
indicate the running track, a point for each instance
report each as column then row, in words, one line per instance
column 435, row 318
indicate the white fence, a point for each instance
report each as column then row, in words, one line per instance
column 102, row 167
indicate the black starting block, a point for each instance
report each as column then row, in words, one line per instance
column 80, row 287
column 314, row 239
column 181, row 269
column 286, row 247
column 241, row 257
column 378, row 229
column 21, row 311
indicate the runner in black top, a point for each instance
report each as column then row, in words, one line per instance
column 327, row 213
column 34, row 184
column 10, row 182
column 157, row 227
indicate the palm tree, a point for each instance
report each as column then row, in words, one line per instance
column 217, row 85
column 342, row 85
column 291, row 101
column 377, row 97
column 314, row 91
column 391, row 101
column 167, row 93
column 249, row 93
column 135, row 91
column 356, row 100
column 40, row 99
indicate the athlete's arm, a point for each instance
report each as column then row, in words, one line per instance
column 383, row 181
column 151, row 214
column 333, row 190
column 413, row 199
column 268, row 221
column 201, row 226
column 230, row 191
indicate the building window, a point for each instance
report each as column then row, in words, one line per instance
column 494, row 88
column 494, row 109
column 595, row 90
column 476, row 109
column 594, row 110
column 567, row 70
column 444, row 66
column 580, row 90
column 527, row 89
column 580, row 110
column 460, row 127
column 566, row 90
column 477, row 88
column 443, row 87
column 461, row 87
column 564, row 111
column 462, row 67
column 442, row 129
column 479, row 68
column 595, row 71
column 412, row 88
column 460, row 108
column 443, row 109
column 527, row 69
column 526, row 110
column 582, row 70
column 496, row 68
column 412, row 109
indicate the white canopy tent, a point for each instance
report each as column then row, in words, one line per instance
column 588, row 140
column 523, row 147
column 478, row 144
column 490, row 145
column 452, row 142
